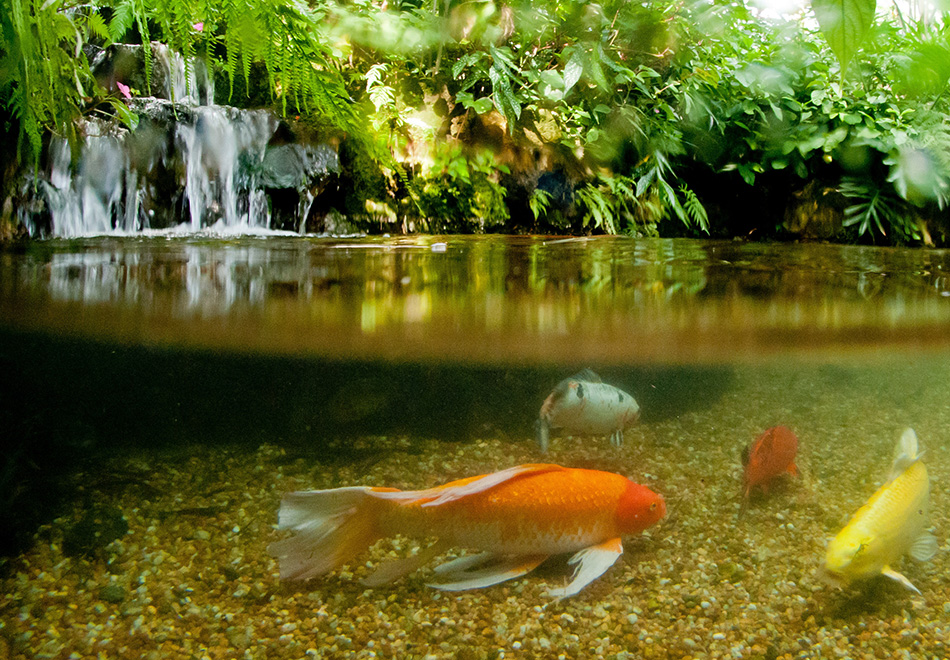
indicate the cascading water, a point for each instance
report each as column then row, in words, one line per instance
column 186, row 167
column 224, row 150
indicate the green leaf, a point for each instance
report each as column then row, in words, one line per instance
column 125, row 115
column 552, row 78
column 844, row 24
column 482, row 105
column 573, row 70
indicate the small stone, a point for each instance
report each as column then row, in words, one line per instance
column 112, row 593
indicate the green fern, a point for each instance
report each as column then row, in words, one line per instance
column 875, row 208
column 695, row 211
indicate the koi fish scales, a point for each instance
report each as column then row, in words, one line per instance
column 518, row 517
column 549, row 511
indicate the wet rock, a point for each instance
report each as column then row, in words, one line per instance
column 296, row 165
column 112, row 593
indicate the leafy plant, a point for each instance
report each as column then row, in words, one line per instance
column 875, row 208
column 845, row 24
column 45, row 81
column 459, row 189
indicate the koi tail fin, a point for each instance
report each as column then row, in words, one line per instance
column 906, row 453
column 332, row 527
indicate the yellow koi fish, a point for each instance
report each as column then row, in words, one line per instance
column 892, row 523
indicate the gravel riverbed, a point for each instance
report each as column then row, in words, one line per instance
column 189, row 576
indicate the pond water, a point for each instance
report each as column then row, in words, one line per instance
column 162, row 393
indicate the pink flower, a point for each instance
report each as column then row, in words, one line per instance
column 198, row 26
column 124, row 89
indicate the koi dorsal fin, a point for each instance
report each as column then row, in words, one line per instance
column 906, row 453
column 456, row 490
column 587, row 375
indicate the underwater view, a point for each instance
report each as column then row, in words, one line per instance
column 691, row 449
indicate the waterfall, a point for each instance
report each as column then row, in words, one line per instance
column 223, row 151
column 188, row 166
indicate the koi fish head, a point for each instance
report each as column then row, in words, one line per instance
column 639, row 508
column 852, row 557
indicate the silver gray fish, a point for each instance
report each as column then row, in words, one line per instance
column 585, row 405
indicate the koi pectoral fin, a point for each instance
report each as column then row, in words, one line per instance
column 616, row 438
column 591, row 563
column 464, row 563
column 543, row 434
column 507, row 568
column 390, row 571
column 894, row 575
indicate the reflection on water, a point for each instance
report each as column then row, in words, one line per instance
column 481, row 298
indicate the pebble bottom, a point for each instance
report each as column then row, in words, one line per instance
column 192, row 580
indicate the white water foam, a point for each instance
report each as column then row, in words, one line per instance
column 216, row 153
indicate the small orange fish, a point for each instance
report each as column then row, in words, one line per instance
column 518, row 517
column 771, row 455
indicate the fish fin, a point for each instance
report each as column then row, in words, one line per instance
column 746, row 454
column 591, row 563
column 464, row 563
column 924, row 547
column 552, row 400
column 894, row 575
column 506, row 568
column 587, row 375
column 332, row 526
column 906, row 453
column 392, row 570
column 616, row 438
column 451, row 493
column 793, row 470
column 543, row 434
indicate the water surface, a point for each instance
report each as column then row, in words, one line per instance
column 485, row 299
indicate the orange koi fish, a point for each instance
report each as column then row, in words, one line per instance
column 586, row 405
column 517, row 517
column 771, row 455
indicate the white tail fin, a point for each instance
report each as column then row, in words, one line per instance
column 333, row 526
column 906, row 453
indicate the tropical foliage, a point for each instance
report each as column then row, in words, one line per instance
column 548, row 115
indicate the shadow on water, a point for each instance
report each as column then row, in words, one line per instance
column 70, row 403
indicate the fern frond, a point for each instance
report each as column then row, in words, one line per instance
column 123, row 17
column 694, row 208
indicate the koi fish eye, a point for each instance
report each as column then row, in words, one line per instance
column 653, row 506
